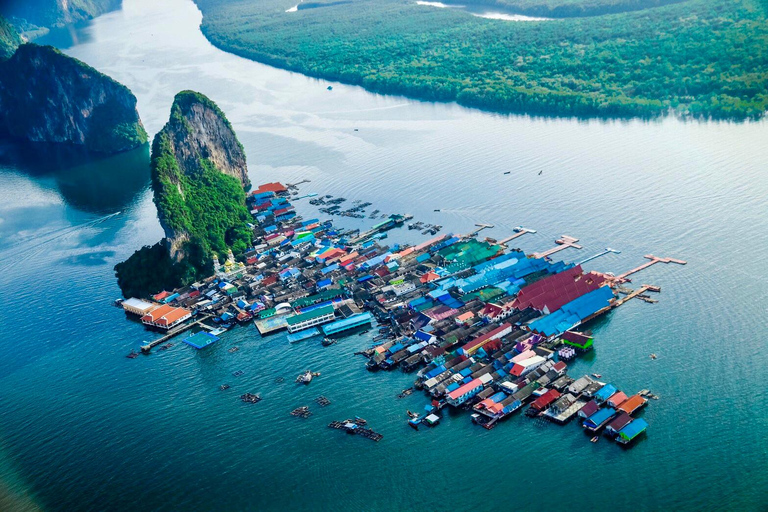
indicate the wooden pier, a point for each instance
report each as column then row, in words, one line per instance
column 479, row 228
column 623, row 278
column 145, row 349
column 563, row 242
column 519, row 231
column 637, row 293
column 293, row 186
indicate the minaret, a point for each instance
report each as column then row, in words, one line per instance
column 216, row 264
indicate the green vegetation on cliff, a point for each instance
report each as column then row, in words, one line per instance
column 47, row 96
column 151, row 269
column 9, row 39
column 703, row 58
column 201, row 207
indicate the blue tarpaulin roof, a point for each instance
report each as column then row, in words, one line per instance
column 605, row 392
column 634, row 428
column 599, row 417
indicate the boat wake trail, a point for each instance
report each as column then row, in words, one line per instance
column 39, row 242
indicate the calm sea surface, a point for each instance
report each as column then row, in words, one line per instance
column 84, row 428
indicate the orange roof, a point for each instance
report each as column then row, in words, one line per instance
column 429, row 276
column 404, row 252
column 173, row 316
column 632, row 404
column 465, row 316
column 156, row 314
column 161, row 295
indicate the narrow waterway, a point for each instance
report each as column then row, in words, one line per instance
column 84, row 428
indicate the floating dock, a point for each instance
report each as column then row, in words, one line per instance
column 201, row 340
column 271, row 324
column 354, row 427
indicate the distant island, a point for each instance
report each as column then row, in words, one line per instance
column 46, row 96
column 199, row 178
column 649, row 58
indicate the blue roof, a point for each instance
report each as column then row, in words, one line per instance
column 599, row 417
column 347, row 323
column 201, row 340
column 435, row 372
column 634, row 428
column 605, row 392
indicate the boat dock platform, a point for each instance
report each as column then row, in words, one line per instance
column 638, row 293
column 271, row 324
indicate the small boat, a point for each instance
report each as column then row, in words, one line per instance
column 357, row 130
column 412, row 415
column 306, row 377
column 224, row 387
column 508, row 172
column 365, row 331
column 132, row 355
column 597, row 376
column 330, row 88
column 327, row 342
column 234, row 349
column 594, row 439
column 436, row 210
column 653, row 356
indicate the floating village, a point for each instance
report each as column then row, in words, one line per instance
column 482, row 326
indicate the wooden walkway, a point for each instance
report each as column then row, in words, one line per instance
column 623, row 278
column 172, row 333
column 519, row 231
column 634, row 293
column 563, row 242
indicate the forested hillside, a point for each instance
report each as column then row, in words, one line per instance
column 9, row 39
column 702, row 58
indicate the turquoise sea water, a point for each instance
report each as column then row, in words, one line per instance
column 84, row 428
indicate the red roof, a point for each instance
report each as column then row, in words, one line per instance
column 547, row 398
column 429, row 276
column 491, row 310
column 269, row 280
column 270, row 187
column 554, row 291
column 161, row 295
